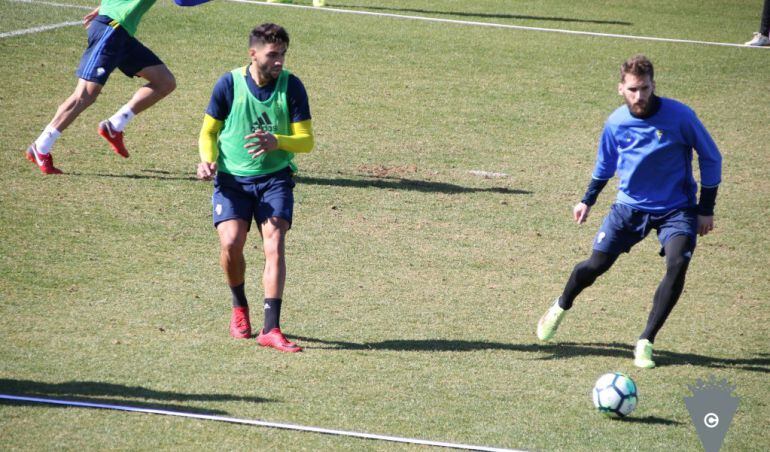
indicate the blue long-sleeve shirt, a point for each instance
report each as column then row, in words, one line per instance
column 653, row 157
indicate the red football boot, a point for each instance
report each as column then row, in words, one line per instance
column 240, row 327
column 43, row 161
column 113, row 137
column 277, row 340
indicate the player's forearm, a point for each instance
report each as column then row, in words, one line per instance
column 708, row 199
column 301, row 139
column 594, row 188
column 207, row 140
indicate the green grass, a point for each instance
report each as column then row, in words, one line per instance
column 414, row 285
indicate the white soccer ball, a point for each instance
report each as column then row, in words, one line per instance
column 615, row 394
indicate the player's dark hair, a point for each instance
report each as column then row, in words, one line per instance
column 268, row 33
column 638, row 65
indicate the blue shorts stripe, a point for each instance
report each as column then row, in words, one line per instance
column 94, row 57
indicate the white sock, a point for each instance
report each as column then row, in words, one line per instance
column 45, row 141
column 120, row 120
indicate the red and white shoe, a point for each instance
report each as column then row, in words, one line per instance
column 113, row 137
column 240, row 326
column 43, row 161
column 277, row 340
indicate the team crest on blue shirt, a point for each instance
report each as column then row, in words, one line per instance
column 659, row 133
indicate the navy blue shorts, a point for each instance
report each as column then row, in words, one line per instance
column 625, row 226
column 112, row 47
column 257, row 197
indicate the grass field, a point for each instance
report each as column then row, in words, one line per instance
column 414, row 285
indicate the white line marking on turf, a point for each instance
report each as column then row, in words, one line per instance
column 487, row 174
column 27, row 31
column 496, row 25
column 253, row 422
column 60, row 5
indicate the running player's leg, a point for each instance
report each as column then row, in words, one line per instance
column 232, row 238
column 274, row 231
column 97, row 63
column 84, row 96
column 233, row 209
column 140, row 62
column 161, row 83
column 274, row 276
column 621, row 229
column 274, row 215
column 678, row 254
column 677, row 234
column 584, row 274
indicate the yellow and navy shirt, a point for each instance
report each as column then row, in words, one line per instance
column 222, row 97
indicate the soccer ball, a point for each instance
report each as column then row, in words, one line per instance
column 615, row 394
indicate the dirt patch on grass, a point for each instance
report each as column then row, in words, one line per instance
column 387, row 171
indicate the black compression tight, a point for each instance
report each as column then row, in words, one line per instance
column 677, row 260
column 670, row 288
column 584, row 274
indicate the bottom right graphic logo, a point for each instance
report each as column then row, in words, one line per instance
column 712, row 407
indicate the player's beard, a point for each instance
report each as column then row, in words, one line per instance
column 269, row 73
column 642, row 109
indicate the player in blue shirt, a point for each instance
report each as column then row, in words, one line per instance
column 648, row 142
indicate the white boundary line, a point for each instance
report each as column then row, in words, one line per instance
column 423, row 18
column 60, row 5
column 496, row 25
column 254, row 422
column 27, row 31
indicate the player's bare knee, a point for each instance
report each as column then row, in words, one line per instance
column 164, row 83
column 232, row 245
column 168, row 84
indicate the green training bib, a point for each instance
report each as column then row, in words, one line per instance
column 247, row 115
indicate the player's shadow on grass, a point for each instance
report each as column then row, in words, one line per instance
column 384, row 183
column 492, row 15
column 649, row 420
column 146, row 174
column 564, row 350
column 116, row 394
column 406, row 184
column 662, row 358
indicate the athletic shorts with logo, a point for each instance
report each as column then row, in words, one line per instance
column 253, row 197
column 625, row 226
column 111, row 47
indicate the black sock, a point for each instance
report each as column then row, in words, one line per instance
column 272, row 314
column 239, row 296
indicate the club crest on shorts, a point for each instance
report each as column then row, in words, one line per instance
column 600, row 236
column 218, row 209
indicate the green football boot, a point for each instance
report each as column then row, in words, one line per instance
column 550, row 321
column 643, row 354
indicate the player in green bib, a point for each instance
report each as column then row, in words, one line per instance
column 249, row 115
column 257, row 119
column 111, row 45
